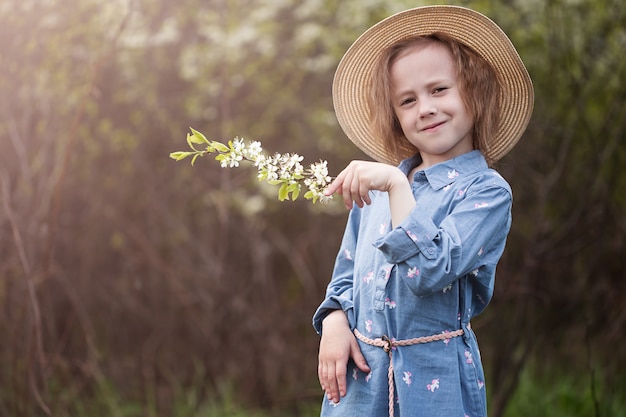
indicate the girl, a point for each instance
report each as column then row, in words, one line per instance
column 434, row 94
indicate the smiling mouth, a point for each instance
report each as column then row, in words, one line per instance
column 432, row 126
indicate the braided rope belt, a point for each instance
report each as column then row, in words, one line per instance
column 387, row 345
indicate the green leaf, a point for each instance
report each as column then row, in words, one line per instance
column 194, row 158
column 220, row 146
column 295, row 193
column 283, row 192
column 180, row 155
column 190, row 141
column 197, row 137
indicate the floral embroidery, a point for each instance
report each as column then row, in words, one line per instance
column 480, row 252
column 355, row 374
column 433, row 385
column 474, row 273
column 481, row 384
column 407, row 377
column 481, row 205
column 382, row 229
column 368, row 278
column 413, row 272
column 447, row 288
column 347, row 254
column 468, row 357
column 446, row 341
column 368, row 377
column 387, row 273
column 412, row 236
column 453, row 174
column 447, row 187
column 389, row 303
column 461, row 193
column 368, row 325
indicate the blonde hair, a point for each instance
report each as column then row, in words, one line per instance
column 479, row 86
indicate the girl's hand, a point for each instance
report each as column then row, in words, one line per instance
column 359, row 177
column 337, row 345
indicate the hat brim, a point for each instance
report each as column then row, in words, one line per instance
column 351, row 84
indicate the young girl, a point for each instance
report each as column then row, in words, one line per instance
column 435, row 94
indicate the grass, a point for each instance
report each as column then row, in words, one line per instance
column 554, row 394
column 564, row 394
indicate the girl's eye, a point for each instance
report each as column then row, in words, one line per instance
column 439, row 90
column 407, row 101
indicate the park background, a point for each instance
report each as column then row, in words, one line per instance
column 134, row 285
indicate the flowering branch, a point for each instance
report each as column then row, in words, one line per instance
column 280, row 169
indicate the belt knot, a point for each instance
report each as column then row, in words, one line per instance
column 387, row 344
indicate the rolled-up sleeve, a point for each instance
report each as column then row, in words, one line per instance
column 416, row 235
column 463, row 240
column 339, row 293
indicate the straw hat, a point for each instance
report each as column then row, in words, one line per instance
column 351, row 84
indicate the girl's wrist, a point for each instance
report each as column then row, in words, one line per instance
column 335, row 316
column 401, row 199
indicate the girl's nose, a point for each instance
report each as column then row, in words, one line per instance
column 427, row 108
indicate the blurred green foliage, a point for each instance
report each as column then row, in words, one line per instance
column 127, row 278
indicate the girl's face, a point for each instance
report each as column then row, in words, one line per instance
column 428, row 103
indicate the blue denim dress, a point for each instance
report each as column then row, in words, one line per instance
column 429, row 275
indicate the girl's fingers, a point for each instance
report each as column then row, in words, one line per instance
column 332, row 381
column 335, row 185
column 353, row 184
column 346, row 188
column 355, row 190
column 328, row 381
column 320, row 376
column 340, row 378
column 332, row 388
column 359, row 189
column 365, row 193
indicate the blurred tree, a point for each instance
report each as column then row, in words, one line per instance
column 48, row 53
column 109, row 229
column 561, row 280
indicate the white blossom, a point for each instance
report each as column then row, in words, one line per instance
column 279, row 169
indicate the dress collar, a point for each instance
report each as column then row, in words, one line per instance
column 447, row 172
